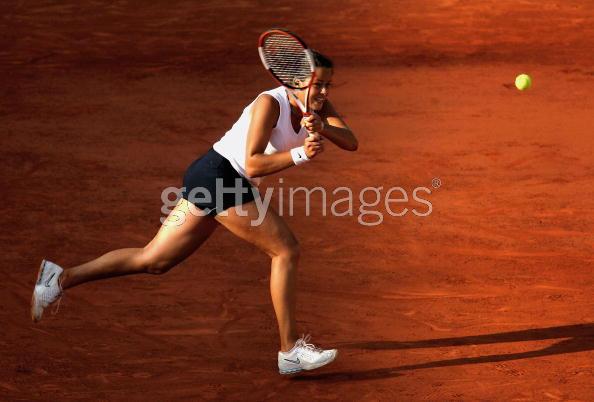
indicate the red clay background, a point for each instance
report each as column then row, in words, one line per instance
column 105, row 103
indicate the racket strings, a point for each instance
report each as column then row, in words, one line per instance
column 288, row 60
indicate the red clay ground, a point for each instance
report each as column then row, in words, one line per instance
column 488, row 298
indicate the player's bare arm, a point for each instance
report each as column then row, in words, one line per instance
column 264, row 117
column 330, row 125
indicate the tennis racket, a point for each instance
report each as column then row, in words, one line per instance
column 289, row 61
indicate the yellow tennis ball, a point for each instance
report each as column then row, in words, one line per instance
column 523, row 82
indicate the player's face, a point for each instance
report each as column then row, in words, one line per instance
column 320, row 87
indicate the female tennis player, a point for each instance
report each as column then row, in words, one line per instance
column 271, row 135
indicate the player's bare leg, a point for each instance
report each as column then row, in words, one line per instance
column 179, row 236
column 274, row 237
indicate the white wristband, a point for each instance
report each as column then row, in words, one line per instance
column 299, row 156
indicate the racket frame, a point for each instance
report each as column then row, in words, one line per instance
column 290, row 89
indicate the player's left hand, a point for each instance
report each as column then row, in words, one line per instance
column 313, row 123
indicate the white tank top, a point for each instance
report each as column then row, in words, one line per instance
column 283, row 138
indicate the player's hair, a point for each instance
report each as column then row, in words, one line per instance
column 321, row 61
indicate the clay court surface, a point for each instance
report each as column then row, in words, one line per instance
column 489, row 298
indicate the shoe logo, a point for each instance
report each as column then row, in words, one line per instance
column 47, row 283
column 41, row 274
column 293, row 361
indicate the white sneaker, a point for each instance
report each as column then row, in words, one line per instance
column 304, row 356
column 47, row 288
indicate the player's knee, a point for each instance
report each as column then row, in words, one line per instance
column 155, row 265
column 157, row 268
column 290, row 250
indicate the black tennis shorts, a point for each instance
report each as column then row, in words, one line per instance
column 213, row 185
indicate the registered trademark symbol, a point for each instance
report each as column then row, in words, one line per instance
column 436, row 183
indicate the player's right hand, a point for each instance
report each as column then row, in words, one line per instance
column 314, row 144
